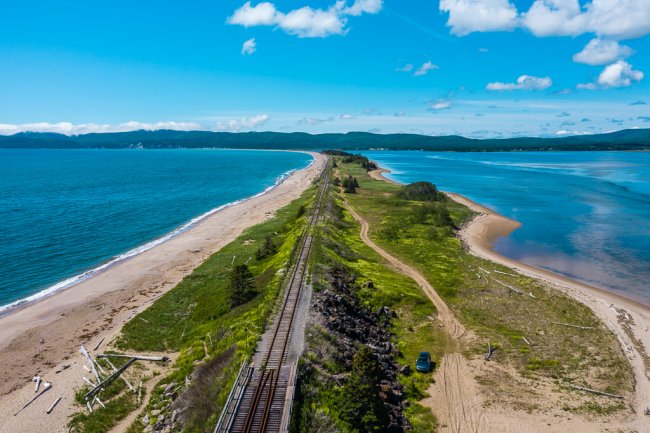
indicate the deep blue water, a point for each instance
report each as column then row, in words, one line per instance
column 584, row 214
column 65, row 212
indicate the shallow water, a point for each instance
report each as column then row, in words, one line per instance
column 584, row 214
column 65, row 212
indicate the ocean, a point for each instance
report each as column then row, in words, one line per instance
column 64, row 214
column 585, row 215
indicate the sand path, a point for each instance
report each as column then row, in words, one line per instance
column 44, row 337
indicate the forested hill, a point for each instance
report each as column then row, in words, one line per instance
column 630, row 139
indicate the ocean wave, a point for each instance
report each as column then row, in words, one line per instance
column 72, row 281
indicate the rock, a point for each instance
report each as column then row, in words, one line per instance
column 145, row 420
column 169, row 387
column 405, row 370
column 156, row 412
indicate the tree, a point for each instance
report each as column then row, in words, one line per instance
column 350, row 184
column 268, row 248
column 337, row 181
column 362, row 406
column 241, row 286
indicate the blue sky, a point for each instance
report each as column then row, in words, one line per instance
column 479, row 68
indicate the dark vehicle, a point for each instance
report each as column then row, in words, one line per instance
column 423, row 364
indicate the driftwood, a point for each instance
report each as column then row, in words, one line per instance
column 573, row 326
column 53, row 405
column 37, row 379
column 86, row 355
column 137, row 357
column 526, row 341
column 487, row 272
column 489, row 352
column 46, row 387
column 593, row 391
column 510, row 287
column 123, row 378
column 97, row 345
column 531, row 295
column 505, row 273
column 89, row 382
column 108, row 380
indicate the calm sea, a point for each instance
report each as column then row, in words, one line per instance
column 66, row 212
column 584, row 214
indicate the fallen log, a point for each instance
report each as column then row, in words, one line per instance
column 46, row 387
column 490, row 351
column 37, row 379
column 506, row 273
column 53, row 405
column 108, row 380
column 137, row 357
column 86, row 355
column 510, row 287
column 593, row 391
column 573, row 326
column 98, row 344
column 122, row 377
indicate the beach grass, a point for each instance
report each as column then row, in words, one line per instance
column 476, row 291
column 195, row 320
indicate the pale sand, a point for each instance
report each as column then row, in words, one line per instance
column 628, row 320
column 97, row 308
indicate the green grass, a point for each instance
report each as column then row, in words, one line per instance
column 195, row 319
column 492, row 311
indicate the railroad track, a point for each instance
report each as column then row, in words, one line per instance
column 259, row 402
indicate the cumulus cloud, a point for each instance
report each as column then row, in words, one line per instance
column 602, row 52
column 244, row 123
column 618, row 19
column 249, row 47
column 304, row 22
column 347, row 116
column 467, row 16
column 364, row 7
column 524, row 82
column 619, row 74
column 68, row 128
column 425, row 69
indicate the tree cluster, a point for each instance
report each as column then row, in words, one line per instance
column 421, row 191
column 350, row 184
column 353, row 158
column 267, row 249
column 242, row 287
column 433, row 213
column 362, row 406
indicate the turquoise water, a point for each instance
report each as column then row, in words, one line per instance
column 67, row 212
column 584, row 214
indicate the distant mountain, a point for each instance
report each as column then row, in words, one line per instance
column 629, row 139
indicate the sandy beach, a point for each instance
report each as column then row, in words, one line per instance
column 628, row 320
column 44, row 337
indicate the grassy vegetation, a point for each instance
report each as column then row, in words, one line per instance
column 483, row 303
column 195, row 318
column 338, row 244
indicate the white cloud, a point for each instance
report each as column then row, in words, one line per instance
column 619, row 74
column 69, row 128
column 236, row 125
column 249, row 47
column 312, row 121
column 406, row 68
column 424, row 69
column 618, row 19
column 467, row 16
column 524, row 82
column 364, row 7
column 347, row 116
column 304, row 22
column 602, row 52
column 440, row 105
column 262, row 14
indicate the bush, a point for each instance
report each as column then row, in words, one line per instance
column 241, row 286
column 421, row 191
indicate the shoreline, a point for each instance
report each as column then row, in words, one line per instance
column 75, row 280
column 44, row 337
column 627, row 319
